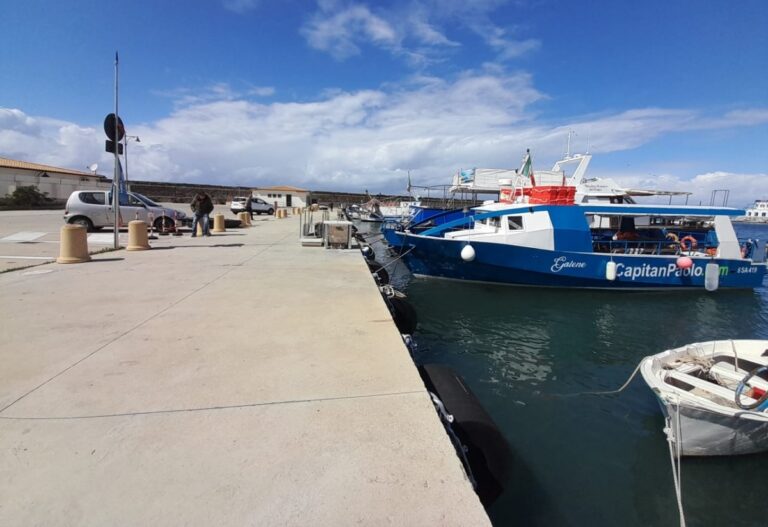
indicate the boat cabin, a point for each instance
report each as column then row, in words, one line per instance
column 606, row 228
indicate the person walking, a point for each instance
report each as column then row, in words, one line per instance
column 202, row 206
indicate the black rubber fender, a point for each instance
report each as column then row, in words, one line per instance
column 368, row 252
column 403, row 314
column 488, row 452
column 378, row 270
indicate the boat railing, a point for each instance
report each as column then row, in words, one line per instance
column 637, row 247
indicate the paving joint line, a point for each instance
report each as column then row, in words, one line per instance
column 210, row 408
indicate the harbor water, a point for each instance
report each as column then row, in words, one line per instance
column 587, row 460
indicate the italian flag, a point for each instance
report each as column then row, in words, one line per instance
column 527, row 169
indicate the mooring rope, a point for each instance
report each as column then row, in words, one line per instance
column 675, row 455
column 398, row 258
column 623, row 386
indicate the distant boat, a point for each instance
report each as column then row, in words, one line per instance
column 757, row 213
column 714, row 396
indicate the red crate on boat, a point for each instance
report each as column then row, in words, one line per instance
column 567, row 195
column 552, row 195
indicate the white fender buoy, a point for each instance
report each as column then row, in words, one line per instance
column 711, row 276
column 468, row 253
column 610, row 271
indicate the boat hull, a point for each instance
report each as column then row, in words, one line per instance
column 515, row 265
column 707, row 433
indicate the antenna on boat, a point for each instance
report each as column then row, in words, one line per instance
column 568, row 147
column 588, row 131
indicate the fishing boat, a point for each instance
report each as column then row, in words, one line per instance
column 552, row 241
column 714, row 396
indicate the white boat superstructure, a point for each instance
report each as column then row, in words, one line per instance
column 714, row 396
column 757, row 213
column 514, row 185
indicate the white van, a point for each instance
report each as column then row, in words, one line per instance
column 93, row 210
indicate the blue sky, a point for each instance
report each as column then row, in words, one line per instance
column 351, row 95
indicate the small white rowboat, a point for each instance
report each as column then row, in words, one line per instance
column 714, row 396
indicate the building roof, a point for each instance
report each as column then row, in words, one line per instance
column 283, row 188
column 24, row 165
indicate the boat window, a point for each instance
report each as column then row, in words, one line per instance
column 515, row 223
column 493, row 222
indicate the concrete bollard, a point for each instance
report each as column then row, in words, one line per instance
column 137, row 236
column 199, row 231
column 74, row 245
column 242, row 217
column 218, row 223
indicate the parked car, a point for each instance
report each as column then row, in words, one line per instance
column 93, row 210
column 259, row 205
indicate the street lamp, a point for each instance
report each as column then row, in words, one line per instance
column 125, row 142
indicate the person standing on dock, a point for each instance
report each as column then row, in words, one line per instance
column 202, row 206
column 249, row 206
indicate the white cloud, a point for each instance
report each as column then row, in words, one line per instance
column 369, row 139
column 742, row 188
column 241, row 6
column 340, row 32
column 213, row 92
column 410, row 30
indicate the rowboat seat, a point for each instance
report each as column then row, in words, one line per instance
column 706, row 389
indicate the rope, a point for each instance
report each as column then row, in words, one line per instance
column 398, row 258
column 675, row 455
column 602, row 393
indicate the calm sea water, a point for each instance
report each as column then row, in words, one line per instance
column 589, row 460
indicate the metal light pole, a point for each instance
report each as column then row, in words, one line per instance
column 125, row 143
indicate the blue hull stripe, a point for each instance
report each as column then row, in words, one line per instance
column 511, row 264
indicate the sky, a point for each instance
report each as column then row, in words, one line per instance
column 354, row 96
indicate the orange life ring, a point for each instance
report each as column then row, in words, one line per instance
column 689, row 246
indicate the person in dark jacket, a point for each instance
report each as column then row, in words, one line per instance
column 202, row 206
column 249, row 205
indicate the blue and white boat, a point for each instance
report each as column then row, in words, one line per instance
column 589, row 245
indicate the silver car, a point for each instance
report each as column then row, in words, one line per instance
column 93, row 210
column 259, row 205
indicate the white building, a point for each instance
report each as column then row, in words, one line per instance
column 283, row 196
column 57, row 183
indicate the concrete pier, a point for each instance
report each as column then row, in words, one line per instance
column 240, row 379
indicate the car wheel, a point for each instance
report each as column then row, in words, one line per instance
column 271, row 211
column 85, row 222
column 164, row 223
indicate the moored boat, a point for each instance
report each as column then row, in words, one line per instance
column 714, row 396
column 548, row 242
